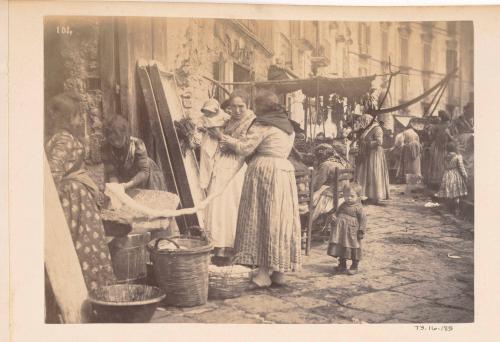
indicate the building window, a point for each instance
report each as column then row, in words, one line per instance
column 346, row 61
column 364, row 39
column 404, row 51
column 295, row 29
column 285, row 53
column 451, row 64
column 385, row 46
column 451, row 28
column 404, row 64
column 427, row 65
column 218, row 74
column 427, row 56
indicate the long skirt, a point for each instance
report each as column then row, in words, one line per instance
column 410, row 161
column 222, row 212
column 268, row 230
column 373, row 176
column 344, row 241
column 452, row 185
column 437, row 156
column 87, row 232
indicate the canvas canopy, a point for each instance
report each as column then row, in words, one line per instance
column 353, row 87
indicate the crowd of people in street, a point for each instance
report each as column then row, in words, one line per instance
column 252, row 156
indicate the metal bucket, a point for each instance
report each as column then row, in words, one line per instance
column 129, row 257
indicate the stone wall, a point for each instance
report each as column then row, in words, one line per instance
column 72, row 65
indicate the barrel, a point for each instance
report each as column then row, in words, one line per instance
column 129, row 257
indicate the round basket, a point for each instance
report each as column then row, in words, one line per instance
column 182, row 271
column 125, row 303
column 228, row 281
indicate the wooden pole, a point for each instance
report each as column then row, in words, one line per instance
column 439, row 98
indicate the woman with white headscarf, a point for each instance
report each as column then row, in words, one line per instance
column 371, row 171
column 411, row 153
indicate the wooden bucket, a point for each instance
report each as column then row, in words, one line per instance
column 129, row 257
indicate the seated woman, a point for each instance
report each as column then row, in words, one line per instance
column 126, row 158
column 78, row 194
column 329, row 158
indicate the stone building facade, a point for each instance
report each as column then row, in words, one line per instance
column 98, row 59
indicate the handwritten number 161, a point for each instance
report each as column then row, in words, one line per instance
column 64, row 30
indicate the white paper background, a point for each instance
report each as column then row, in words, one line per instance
column 26, row 189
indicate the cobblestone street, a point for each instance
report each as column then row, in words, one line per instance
column 417, row 267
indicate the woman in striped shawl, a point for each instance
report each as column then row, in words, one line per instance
column 268, row 228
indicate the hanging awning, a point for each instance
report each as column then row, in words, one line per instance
column 403, row 120
column 353, row 87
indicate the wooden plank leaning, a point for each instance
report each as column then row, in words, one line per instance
column 185, row 167
column 61, row 262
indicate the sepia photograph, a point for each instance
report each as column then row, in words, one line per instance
column 220, row 170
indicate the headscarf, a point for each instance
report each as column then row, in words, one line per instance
column 272, row 113
column 367, row 122
column 326, row 152
column 410, row 136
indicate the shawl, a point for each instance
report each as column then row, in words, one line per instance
column 278, row 119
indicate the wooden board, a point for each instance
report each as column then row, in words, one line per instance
column 61, row 262
column 155, row 125
column 185, row 167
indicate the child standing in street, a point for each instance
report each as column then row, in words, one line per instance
column 454, row 181
column 348, row 228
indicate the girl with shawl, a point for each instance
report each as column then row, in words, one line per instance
column 371, row 166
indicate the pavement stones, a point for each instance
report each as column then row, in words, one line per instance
column 406, row 276
column 431, row 290
column 435, row 314
column 383, row 302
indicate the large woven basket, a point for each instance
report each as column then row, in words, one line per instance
column 182, row 272
column 228, row 281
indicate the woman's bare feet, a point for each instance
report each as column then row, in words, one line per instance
column 262, row 279
column 278, row 278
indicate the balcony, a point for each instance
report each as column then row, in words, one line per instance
column 321, row 56
column 364, row 50
column 261, row 33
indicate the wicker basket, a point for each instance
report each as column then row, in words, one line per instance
column 182, row 272
column 228, row 281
